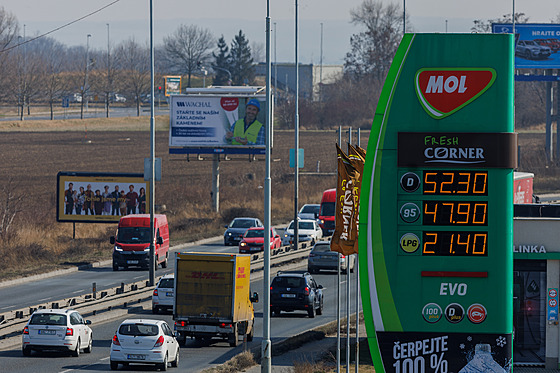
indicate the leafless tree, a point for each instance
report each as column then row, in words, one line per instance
column 372, row 50
column 9, row 30
column 134, row 68
column 188, row 48
column 485, row 26
column 11, row 203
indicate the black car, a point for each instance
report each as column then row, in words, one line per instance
column 235, row 230
column 291, row 291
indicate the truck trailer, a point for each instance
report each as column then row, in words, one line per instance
column 212, row 297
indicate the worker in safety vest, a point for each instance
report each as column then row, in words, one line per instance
column 247, row 131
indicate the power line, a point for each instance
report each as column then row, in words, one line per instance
column 61, row 27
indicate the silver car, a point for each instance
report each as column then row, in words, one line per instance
column 162, row 296
column 57, row 330
column 322, row 258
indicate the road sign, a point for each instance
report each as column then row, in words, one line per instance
column 66, row 101
column 436, row 208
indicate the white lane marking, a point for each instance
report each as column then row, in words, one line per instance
column 79, row 291
column 40, row 300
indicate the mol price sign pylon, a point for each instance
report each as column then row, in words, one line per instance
column 436, row 224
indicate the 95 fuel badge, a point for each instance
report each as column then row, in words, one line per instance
column 410, row 242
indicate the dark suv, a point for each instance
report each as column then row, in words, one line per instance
column 292, row 291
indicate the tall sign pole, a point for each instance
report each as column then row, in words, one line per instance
column 436, row 214
column 296, row 132
column 266, row 362
column 153, row 264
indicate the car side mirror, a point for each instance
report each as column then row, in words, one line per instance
column 254, row 298
column 88, row 322
column 159, row 240
column 277, row 236
column 112, row 240
column 320, row 287
column 225, row 226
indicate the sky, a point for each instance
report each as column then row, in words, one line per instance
column 130, row 19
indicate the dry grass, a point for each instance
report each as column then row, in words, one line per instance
column 236, row 364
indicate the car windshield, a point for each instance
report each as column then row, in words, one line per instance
column 302, row 225
column 310, row 209
column 48, row 319
column 166, row 283
column 138, row 329
column 242, row 223
column 327, row 209
column 288, row 282
column 134, row 235
column 252, row 233
column 322, row 248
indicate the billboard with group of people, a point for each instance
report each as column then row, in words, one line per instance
column 217, row 124
column 100, row 198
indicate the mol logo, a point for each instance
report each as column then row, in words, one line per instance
column 442, row 92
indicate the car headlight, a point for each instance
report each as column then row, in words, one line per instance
column 117, row 248
column 228, row 233
column 243, row 244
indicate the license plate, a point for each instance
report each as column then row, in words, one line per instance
column 47, row 332
column 325, row 257
column 288, row 295
column 132, row 261
column 169, row 294
column 137, row 357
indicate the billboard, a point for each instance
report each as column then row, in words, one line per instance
column 537, row 45
column 172, row 85
column 205, row 124
column 100, row 197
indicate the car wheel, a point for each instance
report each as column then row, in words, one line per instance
column 233, row 338
column 311, row 312
column 89, row 347
column 26, row 351
column 320, row 309
column 276, row 312
column 115, row 267
column 76, row 352
column 175, row 363
column 165, row 262
column 251, row 333
column 114, row 365
column 163, row 366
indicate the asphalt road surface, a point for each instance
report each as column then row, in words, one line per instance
column 195, row 356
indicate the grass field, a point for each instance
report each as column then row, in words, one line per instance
column 33, row 152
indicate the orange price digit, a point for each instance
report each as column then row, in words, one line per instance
column 425, row 250
column 450, row 183
column 462, row 214
column 479, row 247
column 464, row 184
column 427, row 182
column 479, row 216
column 480, row 183
column 434, row 213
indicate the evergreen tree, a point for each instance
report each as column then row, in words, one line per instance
column 242, row 69
column 222, row 63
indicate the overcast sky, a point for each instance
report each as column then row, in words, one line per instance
column 130, row 18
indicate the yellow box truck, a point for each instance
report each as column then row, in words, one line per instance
column 212, row 297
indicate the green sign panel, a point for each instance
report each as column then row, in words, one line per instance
column 437, row 208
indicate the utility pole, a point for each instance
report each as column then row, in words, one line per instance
column 108, row 72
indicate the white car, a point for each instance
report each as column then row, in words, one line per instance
column 308, row 230
column 57, row 330
column 309, row 211
column 144, row 341
column 162, row 297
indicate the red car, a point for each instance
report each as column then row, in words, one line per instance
column 253, row 240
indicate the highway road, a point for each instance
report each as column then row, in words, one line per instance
column 27, row 294
column 194, row 356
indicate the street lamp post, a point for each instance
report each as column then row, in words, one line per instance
column 85, row 90
column 108, row 71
